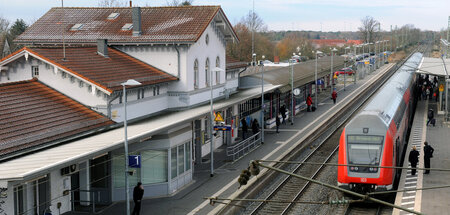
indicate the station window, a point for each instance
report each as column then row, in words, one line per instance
column 155, row 166
column 196, row 76
column 118, row 166
column 35, row 71
column 207, row 78
column 217, row 72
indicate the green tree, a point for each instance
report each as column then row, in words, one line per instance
column 16, row 29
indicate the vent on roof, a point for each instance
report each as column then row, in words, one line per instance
column 113, row 16
column 127, row 27
column 77, row 27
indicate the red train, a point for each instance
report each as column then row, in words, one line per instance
column 376, row 135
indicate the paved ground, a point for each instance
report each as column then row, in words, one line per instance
column 191, row 199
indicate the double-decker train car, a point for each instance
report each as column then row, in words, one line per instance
column 376, row 135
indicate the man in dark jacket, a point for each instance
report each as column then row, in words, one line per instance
column 277, row 122
column 430, row 117
column 255, row 126
column 413, row 159
column 244, row 128
column 428, row 153
column 283, row 113
column 138, row 193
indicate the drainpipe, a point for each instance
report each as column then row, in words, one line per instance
column 178, row 56
column 108, row 106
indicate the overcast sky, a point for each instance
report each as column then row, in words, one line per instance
column 316, row 15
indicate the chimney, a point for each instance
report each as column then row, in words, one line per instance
column 102, row 47
column 136, row 16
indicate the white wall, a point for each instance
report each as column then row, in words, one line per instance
column 8, row 205
column 138, row 108
column 57, row 187
column 19, row 70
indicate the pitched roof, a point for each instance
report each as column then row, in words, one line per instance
column 159, row 24
column 105, row 72
column 33, row 114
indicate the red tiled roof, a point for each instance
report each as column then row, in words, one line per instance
column 159, row 24
column 233, row 63
column 106, row 72
column 33, row 114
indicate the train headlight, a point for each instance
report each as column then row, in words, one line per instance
column 371, row 169
column 352, row 168
column 356, row 168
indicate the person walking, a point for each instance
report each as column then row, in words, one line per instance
column 277, row 122
column 428, row 153
column 138, row 193
column 255, row 127
column 334, row 96
column 283, row 113
column 244, row 128
column 413, row 159
column 309, row 102
column 431, row 117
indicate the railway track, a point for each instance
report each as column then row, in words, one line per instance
column 314, row 148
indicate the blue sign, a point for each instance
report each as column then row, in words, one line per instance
column 134, row 161
column 319, row 82
column 222, row 127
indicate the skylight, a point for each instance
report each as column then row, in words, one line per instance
column 127, row 27
column 113, row 16
column 77, row 27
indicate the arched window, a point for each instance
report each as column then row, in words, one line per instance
column 196, row 76
column 217, row 72
column 207, row 78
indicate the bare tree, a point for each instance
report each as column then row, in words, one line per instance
column 179, row 3
column 4, row 23
column 255, row 22
column 112, row 3
column 369, row 29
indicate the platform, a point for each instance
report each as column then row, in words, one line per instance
column 434, row 201
column 190, row 200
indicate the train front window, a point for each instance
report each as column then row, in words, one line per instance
column 364, row 150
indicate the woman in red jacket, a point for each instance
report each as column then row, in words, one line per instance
column 309, row 102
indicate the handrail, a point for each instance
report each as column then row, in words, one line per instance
column 242, row 148
column 93, row 195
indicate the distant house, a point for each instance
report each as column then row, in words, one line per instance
column 334, row 43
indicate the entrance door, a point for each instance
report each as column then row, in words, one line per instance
column 75, row 188
column 100, row 179
column 42, row 195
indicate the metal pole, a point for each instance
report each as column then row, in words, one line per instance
column 127, row 190
column 263, row 122
column 331, row 72
column 345, row 66
column 292, row 92
column 211, row 127
column 253, row 28
column 315, row 83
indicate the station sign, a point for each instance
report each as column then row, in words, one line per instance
column 134, row 161
column 219, row 117
column 222, row 127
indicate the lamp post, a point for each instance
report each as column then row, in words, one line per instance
column 345, row 65
column 331, row 70
column 130, row 82
column 292, row 89
column 263, row 122
column 315, row 79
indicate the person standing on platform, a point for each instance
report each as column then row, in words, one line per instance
column 430, row 117
column 277, row 122
column 413, row 159
column 255, row 127
column 309, row 102
column 283, row 113
column 428, row 153
column 244, row 128
column 138, row 193
column 334, row 96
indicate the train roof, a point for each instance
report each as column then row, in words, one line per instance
column 388, row 98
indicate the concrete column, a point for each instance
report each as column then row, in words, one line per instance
column 85, row 179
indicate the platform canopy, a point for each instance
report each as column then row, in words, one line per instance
column 435, row 66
